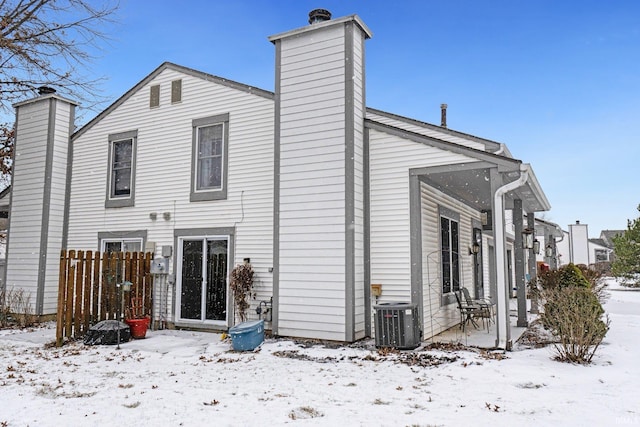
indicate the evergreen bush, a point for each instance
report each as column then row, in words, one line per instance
column 572, row 312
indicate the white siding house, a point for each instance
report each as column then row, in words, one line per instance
column 39, row 191
column 324, row 196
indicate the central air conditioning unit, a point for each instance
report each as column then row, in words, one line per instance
column 397, row 325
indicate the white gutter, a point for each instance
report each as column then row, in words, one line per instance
column 503, row 331
column 500, row 150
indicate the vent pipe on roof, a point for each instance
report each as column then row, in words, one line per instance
column 443, row 115
column 319, row 15
column 46, row 90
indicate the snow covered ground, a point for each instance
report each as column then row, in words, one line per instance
column 175, row 378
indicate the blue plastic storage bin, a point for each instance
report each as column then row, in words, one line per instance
column 247, row 335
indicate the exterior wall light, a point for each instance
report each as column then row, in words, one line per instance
column 474, row 249
column 527, row 238
column 548, row 251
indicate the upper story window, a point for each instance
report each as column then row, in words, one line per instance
column 121, row 179
column 209, row 164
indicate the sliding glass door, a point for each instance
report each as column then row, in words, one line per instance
column 202, row 288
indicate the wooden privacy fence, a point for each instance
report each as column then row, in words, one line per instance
column 88, row 290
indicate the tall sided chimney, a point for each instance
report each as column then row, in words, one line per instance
column 40, row 188
column 319, row 152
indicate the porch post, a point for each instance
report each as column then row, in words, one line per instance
column 553, row 260
column 520, row 269
column 533, row 267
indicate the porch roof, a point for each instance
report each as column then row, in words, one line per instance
column 471, row 183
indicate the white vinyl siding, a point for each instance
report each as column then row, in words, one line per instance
column 438, row 316
column 391, row 158
column 56, row 206
column 358, row 171
column 27, row 246
column 163, row 172
column 312, row 187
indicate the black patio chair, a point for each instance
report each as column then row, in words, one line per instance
column 468, row 313
column 488, row 307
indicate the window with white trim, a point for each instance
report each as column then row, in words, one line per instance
column 209, row 168
column 449, row 245
column 121, row 178
column 121, row 245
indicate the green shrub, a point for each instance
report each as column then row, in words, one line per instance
column 570, row 275
column 572, row 312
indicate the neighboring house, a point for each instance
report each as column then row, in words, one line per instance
column 607, row 236
column 324, row 195
column 560, row 247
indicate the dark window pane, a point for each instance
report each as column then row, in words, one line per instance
column 112, row 247
column 121, row 168
column 449, row 252
column 191, row 296
column 210, row 149
column 216, row 298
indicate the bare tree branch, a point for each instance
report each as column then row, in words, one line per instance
column 48, row 43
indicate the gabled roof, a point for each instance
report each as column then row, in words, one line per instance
column 171, row 66
column 550, row 227
column 608, row 235
column 600, row 242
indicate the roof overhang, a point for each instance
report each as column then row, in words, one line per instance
column 474, row 182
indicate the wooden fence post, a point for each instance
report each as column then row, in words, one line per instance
column 62, row 287
column 69, row 294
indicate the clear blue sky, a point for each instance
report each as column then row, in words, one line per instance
column 557, row 81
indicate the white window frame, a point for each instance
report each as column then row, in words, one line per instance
column 450, row 216
column 178, row 295
column 103, row 243
column 124, row 200
column 209, row 193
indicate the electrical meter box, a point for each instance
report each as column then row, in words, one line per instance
column 160, row 266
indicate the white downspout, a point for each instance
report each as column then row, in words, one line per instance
column 503, row 332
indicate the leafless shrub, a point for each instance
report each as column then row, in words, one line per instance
column 16, row 308
column 241, row 284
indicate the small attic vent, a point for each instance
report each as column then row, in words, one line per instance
column 319, row 15
column 154, row 96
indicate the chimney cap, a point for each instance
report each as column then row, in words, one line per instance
column 46, row 90
column 319, row 15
